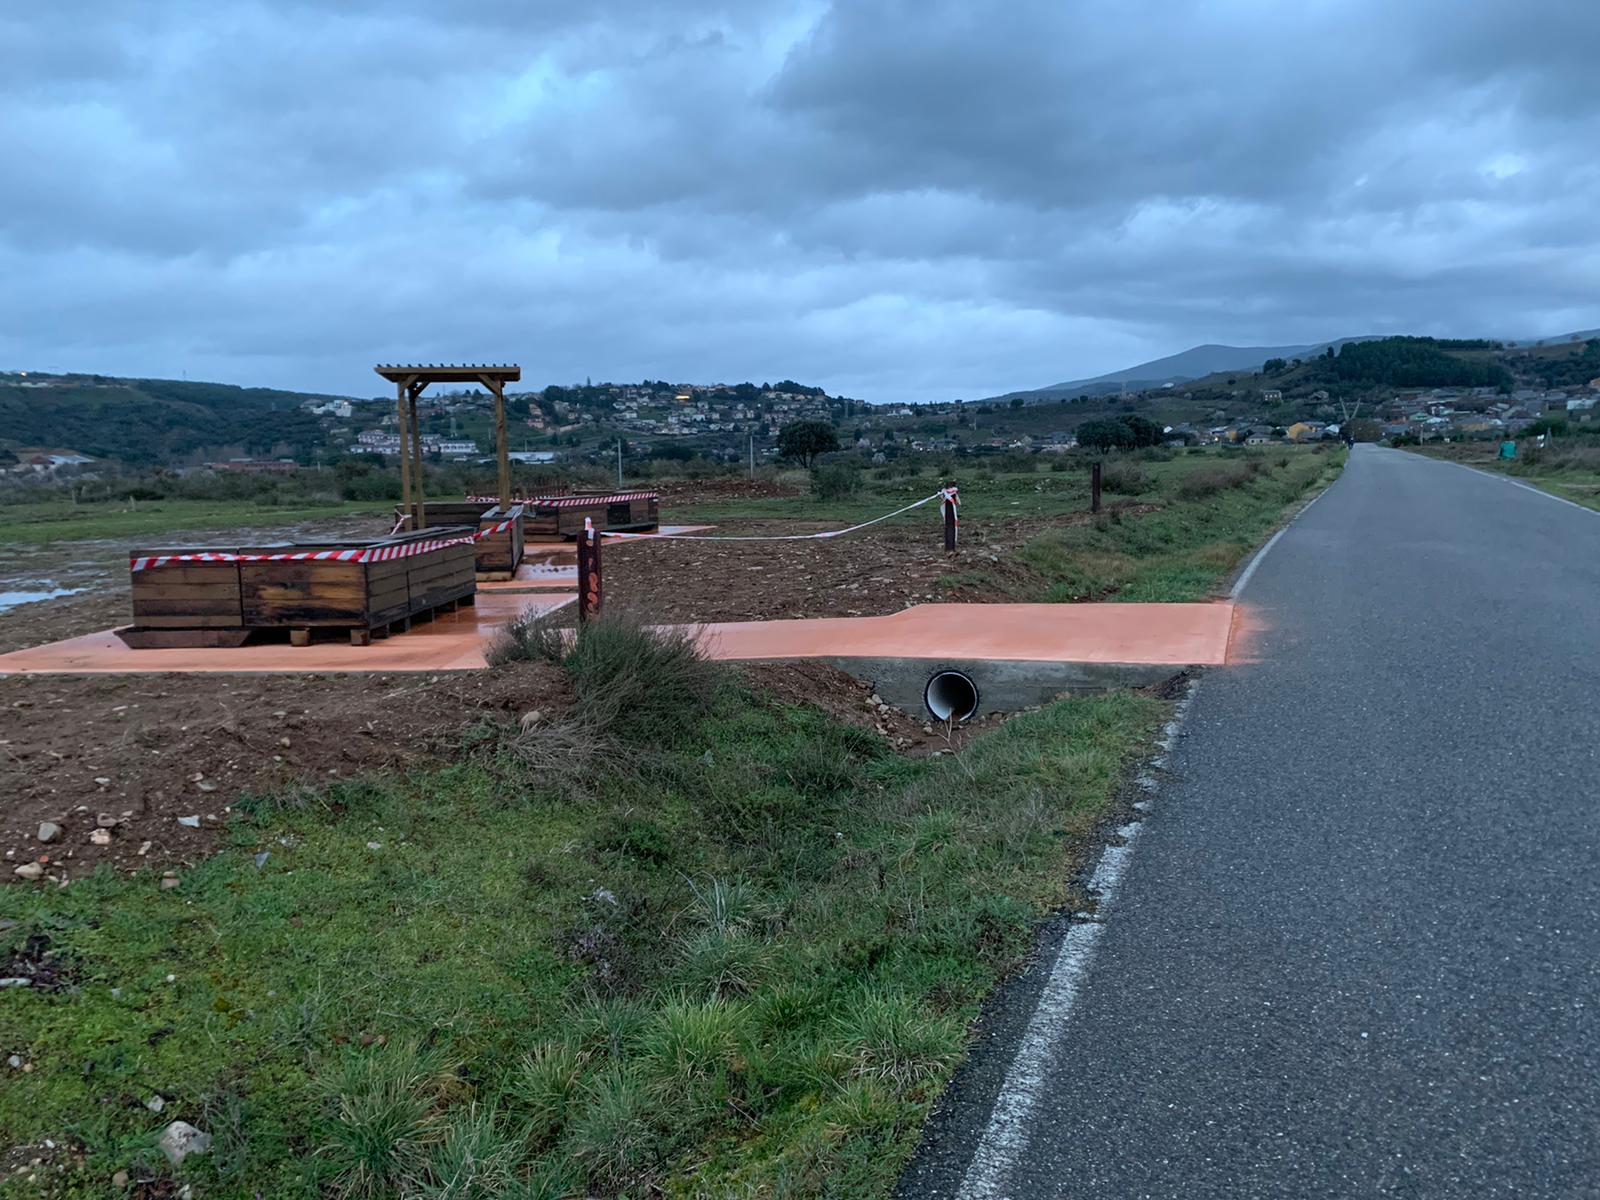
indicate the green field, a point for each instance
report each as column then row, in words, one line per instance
column 41, row 523
column 727, row 949
column 1175, row 523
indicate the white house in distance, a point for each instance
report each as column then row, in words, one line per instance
column 329, row 408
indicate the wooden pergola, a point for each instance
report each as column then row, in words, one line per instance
column 410, row 382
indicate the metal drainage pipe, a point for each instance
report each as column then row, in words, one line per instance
column 951, row 695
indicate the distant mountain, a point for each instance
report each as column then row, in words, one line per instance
column 1194, row 363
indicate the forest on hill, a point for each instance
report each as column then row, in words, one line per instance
column 149, row 422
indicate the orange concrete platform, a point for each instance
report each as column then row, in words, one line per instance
column 451, row 642
column 1145, row 634
column 1133, row 634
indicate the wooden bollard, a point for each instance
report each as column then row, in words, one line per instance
column 588, row 572
column 1094, row 488
column 947, row 502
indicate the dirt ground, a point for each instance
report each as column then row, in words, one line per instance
column 878, row 571
column 116, row 761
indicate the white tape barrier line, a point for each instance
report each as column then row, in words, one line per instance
column 1005, row 1138
column 360, row 557
column 772, row 537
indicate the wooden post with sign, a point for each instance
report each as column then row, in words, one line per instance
column 588, row 572
column 947, row 502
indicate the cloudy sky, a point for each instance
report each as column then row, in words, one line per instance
column 895, row 199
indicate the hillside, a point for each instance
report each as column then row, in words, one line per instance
column 1194, row 363
column 145, row 422
column 1199, row 362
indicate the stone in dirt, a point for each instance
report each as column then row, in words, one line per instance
column 192, row 822
column 29, row 871
column 107, row 820
column 100, row 837
column 49, row 831
column 156, row 1103
column 169, row 881
column 181, row 1139
column 120, row 1179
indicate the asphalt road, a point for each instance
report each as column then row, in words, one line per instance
column 1356, row 951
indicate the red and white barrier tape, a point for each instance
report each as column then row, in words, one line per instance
column 571, row 501
column 369, row 554
column 941, row 494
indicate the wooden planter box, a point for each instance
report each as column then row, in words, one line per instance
column 498, row 554
column 187, row 603
column 552, row 517
column 214, row 604
column 362, row 597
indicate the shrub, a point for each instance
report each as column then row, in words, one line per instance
column 637, row 690
column 1124, row 477
column 1209, row 481
column 836, row 481
column 530, row 636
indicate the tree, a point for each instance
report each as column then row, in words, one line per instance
column 1108, row 434
column 1274, row 366
column 803, row 441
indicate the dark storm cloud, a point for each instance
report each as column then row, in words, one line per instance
column 900, row 200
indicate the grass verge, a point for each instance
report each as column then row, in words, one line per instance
column 743, row 965
column 1198, row 516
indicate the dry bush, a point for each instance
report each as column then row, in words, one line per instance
column 1124, row 477
column 1210, row 481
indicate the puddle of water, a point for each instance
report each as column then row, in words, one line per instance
column 10, row 600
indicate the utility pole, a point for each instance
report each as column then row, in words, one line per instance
column 752, row 456
column 619, row 462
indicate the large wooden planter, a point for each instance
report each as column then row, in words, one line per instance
column 498, row 554
column 205, row 603
column 552, row 517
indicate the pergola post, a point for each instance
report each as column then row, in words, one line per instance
column 502, row 451
column 419, row 512
column 405, row 449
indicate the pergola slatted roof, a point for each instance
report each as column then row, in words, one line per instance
column 449, row 372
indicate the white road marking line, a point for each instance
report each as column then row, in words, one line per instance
column 1527, row 487
column 1005, row 1138
column 1244, row 578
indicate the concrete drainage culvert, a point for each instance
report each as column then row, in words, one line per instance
column 951, row 696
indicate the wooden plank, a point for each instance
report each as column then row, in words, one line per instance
column 138, row 638
column 177, row 608
column 187, row 573
column 190, row 620
column 198, row 591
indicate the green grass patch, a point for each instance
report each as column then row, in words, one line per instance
column 34, row 524
column 1211, row 514
column 745, row 964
